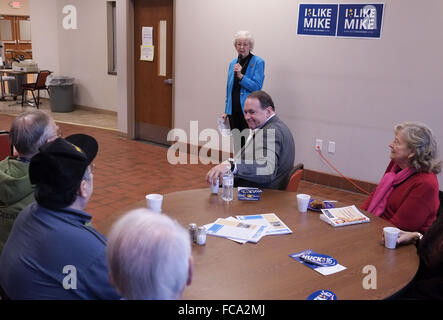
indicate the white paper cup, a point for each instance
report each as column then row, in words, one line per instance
column 154, row 202
column 391, row 236
column 214, row 187
column 303, row 201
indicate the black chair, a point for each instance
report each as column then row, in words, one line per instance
column 440, row 196
column 39, row 84
column 6, row 148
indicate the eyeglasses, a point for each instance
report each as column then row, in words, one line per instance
column 242, row 44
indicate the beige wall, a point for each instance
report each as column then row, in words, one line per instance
column 351, row 91
column 6, row 9
column 81, row 53
column 125, row 66
column 45, row 48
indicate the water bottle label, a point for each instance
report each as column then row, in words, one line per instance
column 229, row 181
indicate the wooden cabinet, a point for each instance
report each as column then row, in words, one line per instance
column 15, row 33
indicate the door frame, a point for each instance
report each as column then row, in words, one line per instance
column 130, row 83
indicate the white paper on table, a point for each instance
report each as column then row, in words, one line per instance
column 209, row 225
column 326, row 271
column 236, row 230
column 275, row 225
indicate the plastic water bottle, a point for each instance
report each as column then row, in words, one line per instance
column 228, row 186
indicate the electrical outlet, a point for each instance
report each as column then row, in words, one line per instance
column 318, row 144
column 331, row 147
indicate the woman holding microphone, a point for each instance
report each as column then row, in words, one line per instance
column 245, row 75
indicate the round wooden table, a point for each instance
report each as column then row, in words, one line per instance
column 224, row 269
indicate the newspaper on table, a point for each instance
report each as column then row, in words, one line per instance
column 274, row 224
column 344, row 216
column 236, row 230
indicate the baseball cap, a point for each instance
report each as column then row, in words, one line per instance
column 61, row 164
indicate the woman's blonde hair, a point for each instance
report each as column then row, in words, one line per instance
column 421, row 141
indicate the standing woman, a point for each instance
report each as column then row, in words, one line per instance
column 245, row 75
column 407, row 195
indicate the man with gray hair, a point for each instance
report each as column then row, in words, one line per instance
column 149, row 256
column 29, row 131
column 53, row 252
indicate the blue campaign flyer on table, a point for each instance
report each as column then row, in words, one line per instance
column 321, row 263
column 322, row 295
column 249, row 194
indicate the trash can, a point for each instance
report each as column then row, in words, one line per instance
column 61, row 93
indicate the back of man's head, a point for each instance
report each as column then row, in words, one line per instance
column 29, row 131
column 60, row 167
column 149, row 256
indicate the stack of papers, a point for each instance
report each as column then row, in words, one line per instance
column 274, row 224
column 343, row 216
column 247, row 228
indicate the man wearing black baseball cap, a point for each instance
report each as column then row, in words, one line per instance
column 53, row 252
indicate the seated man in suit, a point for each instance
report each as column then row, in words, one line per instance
column 53, row 252
column 266, row 159
column 29, row 131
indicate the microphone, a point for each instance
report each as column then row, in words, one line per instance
column 238, row 61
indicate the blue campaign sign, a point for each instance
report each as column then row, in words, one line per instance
column 360, row 20
column 317, row 19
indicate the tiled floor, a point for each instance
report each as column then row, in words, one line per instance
column 80, row 115
column 127, row 170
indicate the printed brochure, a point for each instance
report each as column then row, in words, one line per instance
column 344, row 216
column 274, row 224
column 236, row 230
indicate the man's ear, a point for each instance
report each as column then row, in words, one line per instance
column 190, row 271
column 82, row 191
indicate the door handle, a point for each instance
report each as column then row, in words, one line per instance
column 168, row 81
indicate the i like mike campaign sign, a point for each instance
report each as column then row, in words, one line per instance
column 317, row 19
column 344, row 20
column 360, row 20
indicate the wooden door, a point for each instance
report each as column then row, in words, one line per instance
column 15, row 33
column 153, row 79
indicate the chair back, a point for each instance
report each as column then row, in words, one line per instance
column 440, row 208
column 40, row 83
column 5, row 145
column 294, row 178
